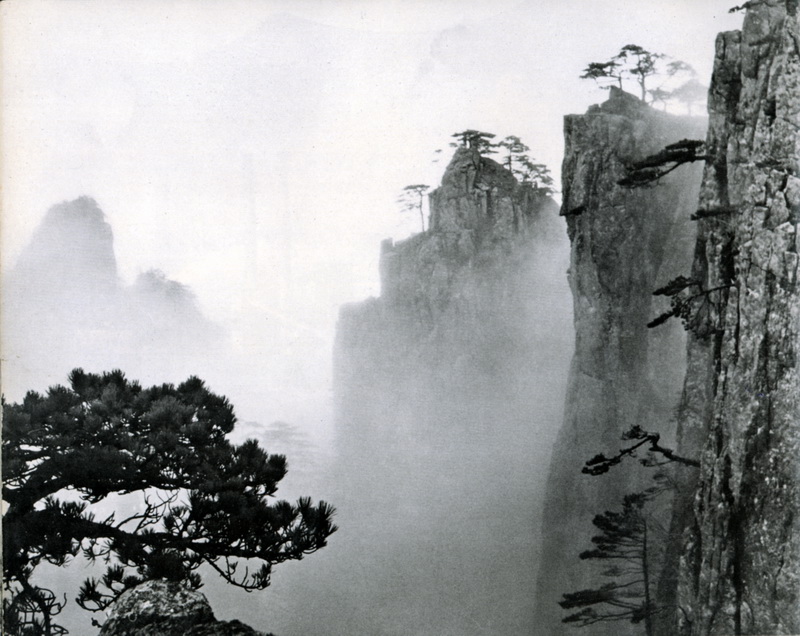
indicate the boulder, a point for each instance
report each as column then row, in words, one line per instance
column 167, row 608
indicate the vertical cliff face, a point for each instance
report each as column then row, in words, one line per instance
column 449, row 390
column 458, row 302
column 740, row 569
column 625, row 244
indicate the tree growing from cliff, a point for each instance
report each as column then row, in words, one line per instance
column 640, row 439
column 475, row 139
column 192, row 496
column 536, row 176
column 635, row 63
column 626, row 545
column 411, row 200
column 653, row 167
column 692, row 303
column 518, row 162
column 515, row 150
column 745, row 6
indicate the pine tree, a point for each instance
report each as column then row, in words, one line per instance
column 201, row 498
column 412, row 198
column 634, row 62
column 519, row 163
column 640, row 64
column 690, row 93
column 475, row 139
column 626, row 545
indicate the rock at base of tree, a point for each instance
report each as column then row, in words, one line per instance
column 166, row 608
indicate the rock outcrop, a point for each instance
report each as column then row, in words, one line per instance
column 457, row 301
column 625, row 244
column 164, row 608
column 740, row 568
column 449, row 390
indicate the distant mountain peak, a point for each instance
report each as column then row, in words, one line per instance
column 73, row 244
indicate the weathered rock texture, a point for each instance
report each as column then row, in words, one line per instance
column 625, row 244
column 163, row 608
column 457, row 301
column 740, row 570
column 449, row 391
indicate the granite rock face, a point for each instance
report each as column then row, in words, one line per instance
column 740, row 566
column 625, row 243
column 163, row 608
column 459, row 294
column 449, row 390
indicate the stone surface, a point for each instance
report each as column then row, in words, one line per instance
column 162, row 608
column 449, row 390
column 625, row 243
column 740, row 567
column 462, row 294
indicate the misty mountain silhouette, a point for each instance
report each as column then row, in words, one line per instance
column 64, row 306
column 71, row 250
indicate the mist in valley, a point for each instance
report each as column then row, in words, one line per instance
column 437, row 476
column 246, row 251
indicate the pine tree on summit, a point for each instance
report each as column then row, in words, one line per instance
column 205, row 500
column 634, row 62
column 475, row 139
column 519, row 163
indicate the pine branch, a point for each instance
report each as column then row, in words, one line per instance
column 654, row 167
column 600, row 464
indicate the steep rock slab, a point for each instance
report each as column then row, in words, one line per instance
column 625, row 244
column 740, row 571
column 449, row 390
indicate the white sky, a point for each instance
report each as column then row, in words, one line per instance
column 254, row 149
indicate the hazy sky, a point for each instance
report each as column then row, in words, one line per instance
column 254, row 149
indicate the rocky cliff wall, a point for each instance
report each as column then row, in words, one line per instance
column 449, row 391
column 740, row 568
column 459, row 300
column 625, row 243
